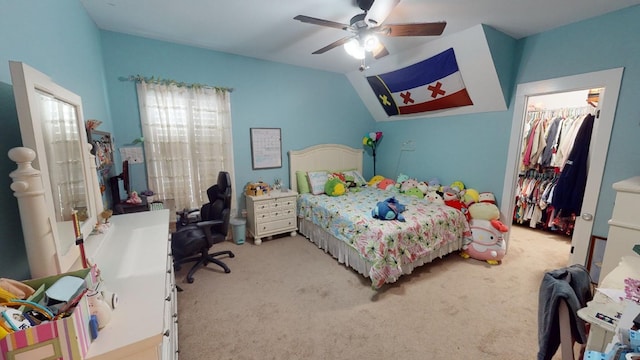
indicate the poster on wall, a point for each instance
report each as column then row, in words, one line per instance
column 429, row 85
column 266, row 148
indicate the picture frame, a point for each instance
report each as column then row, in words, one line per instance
column 266, row 148
column 597, row 245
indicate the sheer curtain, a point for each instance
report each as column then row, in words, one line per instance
column 187, row 140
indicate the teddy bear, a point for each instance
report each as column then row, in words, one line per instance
column 389, row 209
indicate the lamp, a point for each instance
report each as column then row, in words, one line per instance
column 371, row 139
column 358, row 47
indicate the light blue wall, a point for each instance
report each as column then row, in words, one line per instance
column 471, row 148
column 474, row 148
column 60, row 40
column 309, row 106
column 605, row 42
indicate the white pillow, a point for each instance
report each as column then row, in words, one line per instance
column 317, row 179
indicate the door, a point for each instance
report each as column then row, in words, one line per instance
column 609, row 81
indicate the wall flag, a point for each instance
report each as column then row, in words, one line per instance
column 432, row 84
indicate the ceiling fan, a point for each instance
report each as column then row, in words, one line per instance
column 364, row 26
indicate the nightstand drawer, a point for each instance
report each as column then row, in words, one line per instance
column 280, row 214
column 278, row 226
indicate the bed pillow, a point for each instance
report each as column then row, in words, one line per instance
column 317, row 179
column 357, row 177
column 303, row 182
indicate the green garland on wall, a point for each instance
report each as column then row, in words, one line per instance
column 155, row 80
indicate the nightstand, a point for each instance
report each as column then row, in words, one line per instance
column 271, row 214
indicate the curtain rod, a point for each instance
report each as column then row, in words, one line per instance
column 154, row 80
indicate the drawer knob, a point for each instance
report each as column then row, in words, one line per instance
column 166, row 333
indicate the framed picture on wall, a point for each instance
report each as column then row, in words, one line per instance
column 596, row 254
column 266, row 148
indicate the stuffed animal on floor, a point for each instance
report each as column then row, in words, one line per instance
column 389, row 209
column 487, row 243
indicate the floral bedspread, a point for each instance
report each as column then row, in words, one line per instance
column 386, row 244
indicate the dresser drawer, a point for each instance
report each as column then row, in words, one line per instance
column 276, row 227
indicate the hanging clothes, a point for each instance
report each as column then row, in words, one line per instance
column 553, row 140
column 573, row 179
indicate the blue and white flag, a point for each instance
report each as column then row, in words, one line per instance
column 432, row 84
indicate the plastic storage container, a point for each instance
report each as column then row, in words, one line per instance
column 239, row 230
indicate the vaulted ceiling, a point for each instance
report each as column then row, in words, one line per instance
column 266, row 29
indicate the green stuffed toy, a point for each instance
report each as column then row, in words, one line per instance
column 335, row 187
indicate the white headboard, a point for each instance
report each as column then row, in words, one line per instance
column 323, row 157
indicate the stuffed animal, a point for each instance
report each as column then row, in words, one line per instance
column 458, row 204
column 389, row 209
column 375, row 180
column 386, row 184
column 457, row 186
column 484, row 211
column 335, row 187
column 414, row 192
column 487, row 242
column 408, row 185
column 487, row 197
column 434, row 184
column 434, row 197
column 471, row 196
column 424, row 187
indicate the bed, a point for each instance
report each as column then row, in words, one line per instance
column 344, row 227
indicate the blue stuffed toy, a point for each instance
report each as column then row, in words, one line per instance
column 390, row 209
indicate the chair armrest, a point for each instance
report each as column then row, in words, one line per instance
column 208, row 223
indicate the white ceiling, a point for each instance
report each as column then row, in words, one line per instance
column 266, row 30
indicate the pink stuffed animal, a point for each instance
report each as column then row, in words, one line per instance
column 487, row 241
column 386, row 184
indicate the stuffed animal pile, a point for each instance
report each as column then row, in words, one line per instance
column 487, row 240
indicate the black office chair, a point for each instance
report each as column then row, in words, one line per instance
column 192, row 242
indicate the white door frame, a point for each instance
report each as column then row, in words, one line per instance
column 610, row 81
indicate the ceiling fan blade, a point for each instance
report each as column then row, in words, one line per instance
column 332, row 45
column 321, row 22
column 379, row 11
column 420, row 29
column 380, row 51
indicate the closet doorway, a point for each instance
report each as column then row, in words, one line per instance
column 609, row 83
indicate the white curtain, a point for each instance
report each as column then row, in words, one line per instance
column 187, row 140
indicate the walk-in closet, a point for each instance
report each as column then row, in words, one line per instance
column 553, row 164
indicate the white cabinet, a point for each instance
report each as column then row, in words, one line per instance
column 135, row 262
column 624, row 226
column 271, row 214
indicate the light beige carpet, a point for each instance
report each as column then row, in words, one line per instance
column 287, row 299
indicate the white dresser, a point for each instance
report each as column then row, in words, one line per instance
column 135, row 263
column 624, row 226
column 271, row 214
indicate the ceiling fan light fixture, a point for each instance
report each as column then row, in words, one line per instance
column 371, row 43
column 353, row 48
